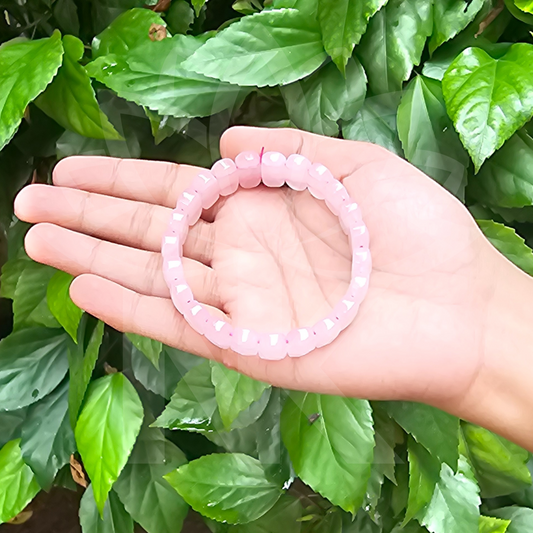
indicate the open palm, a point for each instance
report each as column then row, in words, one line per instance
column 273, row 259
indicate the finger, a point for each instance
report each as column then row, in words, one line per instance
column 136, row 224
column 138, row 270
column 153, row 182
column 342, row 157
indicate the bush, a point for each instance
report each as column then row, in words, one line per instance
column 447, row 84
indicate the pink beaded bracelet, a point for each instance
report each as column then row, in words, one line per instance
column 273, row 169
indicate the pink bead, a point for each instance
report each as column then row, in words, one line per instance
column 173, row 271
column 359, row 287
column 272, row 346
column 298, row 171
column 344, row 312
column 300, row 342
column 273, row 169
column 181, row 295
column 350, row 215
column 171, row 247
column 191, row 204
column 358, row 236
column 245, row 341
column 319, row 177
column 337, row 196
column 208, row 187
column 219, row 332
column 326, row 330
column 248, row 169
column 224, row 171
column 179, row 225
column 197, row 316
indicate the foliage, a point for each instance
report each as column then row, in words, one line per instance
column 447, row 84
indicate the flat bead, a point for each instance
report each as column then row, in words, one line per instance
column 248, row 169
column 181, row 295
column 336, row 196
column 346, row 310
column 272, row 346
column 208, row 187
column 358, row 236
column 245, row 341
column 319, row 177
column 300, row 342
column 350, row 215
column 224, row 171
column 359, row 287
column 171, row 246
column 297, row 171
column 190, row 202
column 197, row 316
column 173, row 271
column 326, row 330
column 273, row 169
column 219, row 332
column 179, row 224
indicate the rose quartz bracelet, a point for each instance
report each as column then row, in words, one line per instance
column 273, row 169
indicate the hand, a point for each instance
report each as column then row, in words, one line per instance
column 272, row 259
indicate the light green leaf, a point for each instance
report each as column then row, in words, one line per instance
column 505, row 240
column 428, row 138
column 330, row 440
column 489, row 99
column 316, row 103
column 436, row 430
column 32, row 364
column 500, row 465
column 106, row 431
column 47, row 440
column 521, row 518
column 115, row 518
column 18, row 485
column 26, row 68
column 147, row 497
column 230, row 488
column 149, row 347
column 153, row 75
column 194, row 404
column 394, row 42
column 524, row 5
column 198, row 4
column 489, row 524
column 81, row 361
column 343, row 22
column 375, row 123
column 67, row 313
column 506, row 180
column 234, row 392
column 274, row 47
column 127, row 31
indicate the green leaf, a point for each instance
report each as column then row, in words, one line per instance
column 454, row 507
column 230, row 488
column 343, row 22
column 11, row 272
column 198, row 4
column 394, row 42
column 180, row 17
column 152, row 75
column 524, row 5
column 506, row 241
column 115, row 518
column 193, row 404
column 330, row 440
column 274, row 47
column 489, row 524
column 375, row 123
column 147, row 497
column 505, row 180
column 18, row 485
column 234, row 392
column 47, row 440
column 521, row 518
column 66, row 15
column 489, row 99
column 81, row 361
column 428, row 138
column 450, row 17
column 165, row 126
column 32, row 364
column 71, row 143
column 436, row 430
column 66, row 312
column 127, row 31
column 26, row 68
column 106, row 431
column 149, row 347
column 10, row 425
column 500, row 465
column 316, row 103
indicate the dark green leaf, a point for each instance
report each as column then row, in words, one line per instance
column 482, row 96
column 18, row 485
column 26, row 68
column 428, row 138
column 11, row 424
column 180, row 16
column 274, row 47
column 521, row 518
column 106, row 431
column 149, row 347
column 47, row 440
column 489, row 524
column 32, row 364
column 330, row 440
column 67, row 313
column 230, row 488
column 11, row 272
column 330, row 523
column 71, row 143
column 66, row 15
column 104, row 12
column 165, row 126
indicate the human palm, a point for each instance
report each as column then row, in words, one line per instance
column 273, row 259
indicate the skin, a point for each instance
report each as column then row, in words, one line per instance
column 443, row 322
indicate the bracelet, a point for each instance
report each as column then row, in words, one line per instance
column 273, row 169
